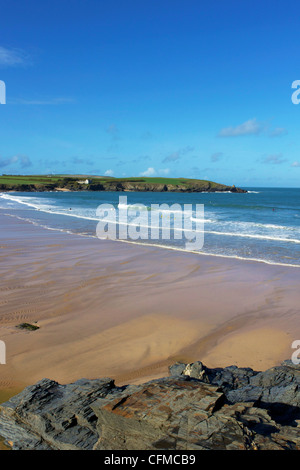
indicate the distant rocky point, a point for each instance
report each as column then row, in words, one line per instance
column 195, row 408
column 100, row 183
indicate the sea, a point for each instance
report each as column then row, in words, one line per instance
column 262, row 224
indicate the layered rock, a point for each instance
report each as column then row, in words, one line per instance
column 48, row 415
column 195, row 408
column 277, row 389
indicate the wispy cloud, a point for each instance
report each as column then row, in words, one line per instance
column 51, row 163
column 295, row 164
column 10, row 57
column 146, row 135
column 195, row 169
column 164, row 171
column 141, row 158
column 273, row 159
column 278, row 132
column 109, row 173
column 251, row 127
column 21, row 161
column 114, row 132
column 215, row 157
column 175, row 156
column 50, row 101
column 82, row 161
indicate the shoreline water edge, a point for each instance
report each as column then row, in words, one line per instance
column 105, row 308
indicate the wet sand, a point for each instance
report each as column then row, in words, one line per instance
column 127, row 312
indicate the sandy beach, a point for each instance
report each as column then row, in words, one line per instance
column 112, row 309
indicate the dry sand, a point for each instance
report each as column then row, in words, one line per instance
column 125, row 311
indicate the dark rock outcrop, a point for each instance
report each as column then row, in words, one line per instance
column 196, row 408
column 48, row 415
column 277, row 389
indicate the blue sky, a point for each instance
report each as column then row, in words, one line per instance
column 193, row 88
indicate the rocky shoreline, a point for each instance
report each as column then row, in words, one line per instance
column 195, row 408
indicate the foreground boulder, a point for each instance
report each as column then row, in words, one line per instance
column 195, row 408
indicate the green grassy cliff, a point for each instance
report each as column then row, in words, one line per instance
column 99, row 183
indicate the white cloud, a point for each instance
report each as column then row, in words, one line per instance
column 149, row 172
column 251, row 127
column 152, row 172
column 12, row 57
column 109, row 173
column 296, row 165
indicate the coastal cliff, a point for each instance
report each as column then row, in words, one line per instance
column 73, row 183
column 195, row 408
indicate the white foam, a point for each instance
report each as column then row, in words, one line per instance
column 202, row 253
column 249, row 235
column 240, row 229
